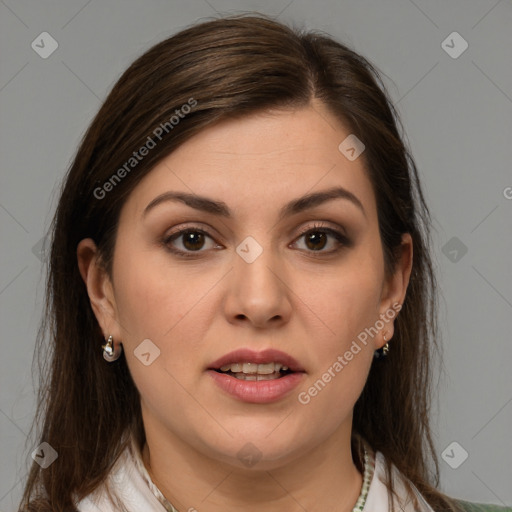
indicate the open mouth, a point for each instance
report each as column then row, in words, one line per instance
column 257, row 377
column 255, row 371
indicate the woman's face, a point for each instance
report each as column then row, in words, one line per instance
column 246, row 278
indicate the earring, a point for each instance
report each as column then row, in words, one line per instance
column 383, row 351
column 110, row 351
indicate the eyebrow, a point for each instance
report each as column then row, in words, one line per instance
column 220, row 208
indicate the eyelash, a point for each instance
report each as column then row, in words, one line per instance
column 342, row 240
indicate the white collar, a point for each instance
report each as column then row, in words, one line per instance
column 129, row 490
column 378, row 495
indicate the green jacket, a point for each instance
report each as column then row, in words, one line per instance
column 478, row 507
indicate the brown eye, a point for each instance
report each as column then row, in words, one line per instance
column 316, row 240
column 193, row 240
column 188, row 241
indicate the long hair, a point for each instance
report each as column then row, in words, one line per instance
column 224, row 69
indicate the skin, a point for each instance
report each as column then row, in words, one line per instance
column 291, row 298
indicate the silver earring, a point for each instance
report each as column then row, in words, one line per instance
column 110, row 351
column 383, row 351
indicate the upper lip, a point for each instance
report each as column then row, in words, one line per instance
column 245, row 355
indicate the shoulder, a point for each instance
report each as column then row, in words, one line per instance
column 478, row 507
column 378, row 495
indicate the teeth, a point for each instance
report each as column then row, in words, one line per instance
column 250, row 368
column 235, row 367
column 253, row 368
column 245, row 376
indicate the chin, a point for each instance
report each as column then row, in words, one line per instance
column 258, row 452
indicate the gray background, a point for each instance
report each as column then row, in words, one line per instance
column 456, row 112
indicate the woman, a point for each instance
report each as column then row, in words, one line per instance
column 241, row 299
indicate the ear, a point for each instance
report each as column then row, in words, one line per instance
column 394, row 290
column 99, row 288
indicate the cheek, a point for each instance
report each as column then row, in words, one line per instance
column 153, row 298
column 341, row 360
column 349, row 302
column 161, row 303
column 343, row 355
column 154, row 303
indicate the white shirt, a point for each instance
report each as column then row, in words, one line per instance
column 134, row 494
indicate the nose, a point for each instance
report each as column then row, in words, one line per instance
column 257, row 292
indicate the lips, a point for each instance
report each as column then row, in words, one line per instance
column 245, row 375
column 264, row 357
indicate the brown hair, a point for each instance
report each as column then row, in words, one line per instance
column 226, row 68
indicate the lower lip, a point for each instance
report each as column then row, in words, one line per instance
column 254, row 391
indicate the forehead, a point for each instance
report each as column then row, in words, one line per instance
column 259, row 162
